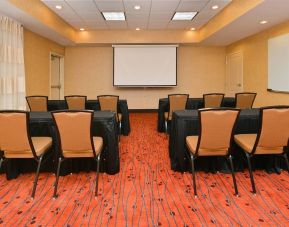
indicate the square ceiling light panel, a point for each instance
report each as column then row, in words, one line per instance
column 114, row 16
column 184, row 15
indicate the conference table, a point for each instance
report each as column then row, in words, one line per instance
column 94, row 105
column 41, row 124
column 193, row 103
column 186, row 122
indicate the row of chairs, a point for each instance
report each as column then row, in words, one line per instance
column 216, row 137
column 73, row 129
column 77, row 102
column 244, row 100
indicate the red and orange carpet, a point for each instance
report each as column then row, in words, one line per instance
column 145, row 193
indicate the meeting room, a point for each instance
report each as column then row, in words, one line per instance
column 144, row 112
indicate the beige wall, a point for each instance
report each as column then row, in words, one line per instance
column 37, row 62
column 89, row 71
column 255, row 54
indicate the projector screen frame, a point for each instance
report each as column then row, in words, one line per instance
column 146, row 45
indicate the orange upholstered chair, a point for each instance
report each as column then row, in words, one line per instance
column 37, row 103
column 110, row 102
column 75, row 139
column 15, row 140
column 213, row 100
column 215, row 138
column 176, row 102
column 245, row 100
column 76, row 102
column 272, row 137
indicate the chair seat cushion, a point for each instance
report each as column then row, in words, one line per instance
column 192, row 142
column 41, row 145
column 98, row 144
column 247, row 141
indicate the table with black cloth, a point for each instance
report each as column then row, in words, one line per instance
column 94, row 105
column 185, row 123
column 193, row 103
column 41, row 124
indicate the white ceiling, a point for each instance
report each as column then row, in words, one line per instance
column 154, row 14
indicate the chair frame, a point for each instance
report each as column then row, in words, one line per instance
column 62, row 158
column 229, row 156
column 38, row 159
column 166, row 121
column 246, row 93
column 75, row 96
column 119, row 122
column 36, row 96
column 249, row 156
column 208, row 94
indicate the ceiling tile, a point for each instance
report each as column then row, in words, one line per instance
column 82, row 5
column 161, row 16
column 130, row 4
column 117, row 24
column 189, row 5
column 164, row 6
column 110, row 6
column 178, row 24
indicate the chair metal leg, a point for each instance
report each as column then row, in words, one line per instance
column 36, row 177
column 286, row 160
column 194, row 175
column 1, row 161
column 233, row 174
column 57, row 178
column 119, row 131
column 251, row 173
column 166, row 126
column 97, row 175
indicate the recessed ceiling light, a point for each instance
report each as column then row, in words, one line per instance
column 184, row 15
column 137, row 29
column 81, row 29
column 192, row 29
column 263, row 22
column 136, row 7
column 215, row 7
column 58, row 6
column 113, row 15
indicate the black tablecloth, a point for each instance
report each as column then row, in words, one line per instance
column 94, row 105
column 193, row 103
column 186, row 122
column 41, row 124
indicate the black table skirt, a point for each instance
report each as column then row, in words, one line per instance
column 185, row 123
column 94, row 105
column 104, row 125
column 193, row 103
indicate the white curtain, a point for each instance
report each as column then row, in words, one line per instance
column 12, row 74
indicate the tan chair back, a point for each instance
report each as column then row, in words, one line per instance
column 177, row 102
column 37, row 103
column 216, row 131
column 75, row 102
column 13, row 132
column 274, row 132
column 213, row 100
column 74, row 130
column 108, row 102
column 245, row 100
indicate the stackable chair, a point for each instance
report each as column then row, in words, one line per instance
column 16, row 142
column 75, row 102
column 272, row 137
column 176, row 102
column 245, row 100
column 74, row 132
column 213, row 100
column 37, row 103
column 215, row 138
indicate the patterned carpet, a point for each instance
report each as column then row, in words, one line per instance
column 145, row 193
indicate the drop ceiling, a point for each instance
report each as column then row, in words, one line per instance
column 153, row 14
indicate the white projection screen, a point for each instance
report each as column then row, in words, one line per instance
column 145, row 65
column 278, row 64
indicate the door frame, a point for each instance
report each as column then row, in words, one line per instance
column 61, row 73
column 227, row 76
